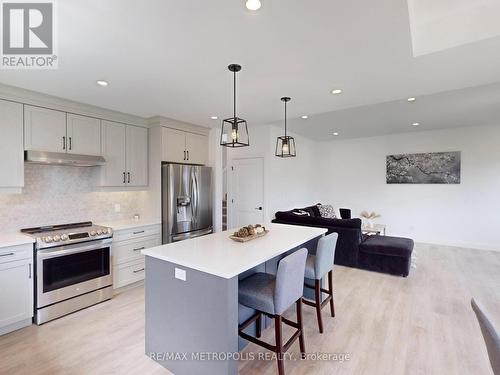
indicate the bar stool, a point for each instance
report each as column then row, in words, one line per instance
column 317, row 266
column 272, row 296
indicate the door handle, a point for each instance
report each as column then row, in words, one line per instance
column 258, row 208
column 124, row 177
column 70, row 146
column 184, row 154
column 64, row 143
column 187, row 155
column 129, row 177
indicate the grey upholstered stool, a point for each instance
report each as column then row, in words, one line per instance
column 272, row 296
column 317, row 266
column 490, row 335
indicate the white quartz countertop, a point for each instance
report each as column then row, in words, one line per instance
column 14, row 239
column 128, row 224
column 218, row 255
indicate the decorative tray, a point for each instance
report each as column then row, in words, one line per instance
column 249, row 237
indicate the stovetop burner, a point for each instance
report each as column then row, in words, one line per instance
column 64, row 234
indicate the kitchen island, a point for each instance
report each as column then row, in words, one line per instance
column 192, row 310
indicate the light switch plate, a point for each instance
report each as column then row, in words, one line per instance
column 180, row 274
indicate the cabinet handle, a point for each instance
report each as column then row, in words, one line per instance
column 139, row 248
column 6, row 255
column 64, row 143
column 30, row 271
column 70, row 143
column 184, row 154
column 187, row 155
column 128, row 177
column 142, row 269
column 141, row 231
column 124, row 177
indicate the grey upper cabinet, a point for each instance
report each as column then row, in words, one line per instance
column 137, row 156
column 113, row 137
column 184, row 147
column 44, row 129
column 125, row 149
column 84, row 135
column 56, row 131
column 11, row 145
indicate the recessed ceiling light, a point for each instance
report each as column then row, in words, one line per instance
column 336, row 91
column 335, row 133
column 416, row 124
column 412, row 99
column 253, row 4
column 102, row 83
column 304, row 117
column 214, row 117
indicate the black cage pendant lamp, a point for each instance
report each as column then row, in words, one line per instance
column 285, row 145
column 234, row 129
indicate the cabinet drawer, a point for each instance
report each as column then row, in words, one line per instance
column 138, row 232
column 128, row 251
column 9, row 254
column 128, row 273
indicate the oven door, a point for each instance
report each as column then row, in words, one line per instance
column 68, row 271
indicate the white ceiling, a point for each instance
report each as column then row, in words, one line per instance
column 165, row 57
column 475, row 106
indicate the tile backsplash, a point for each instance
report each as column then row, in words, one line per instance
column 60, row 194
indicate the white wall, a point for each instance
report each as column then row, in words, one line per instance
column 288, row 182
column 352, row 174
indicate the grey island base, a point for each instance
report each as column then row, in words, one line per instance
column 192, row 310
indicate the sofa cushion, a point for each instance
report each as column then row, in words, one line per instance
column 386, row 245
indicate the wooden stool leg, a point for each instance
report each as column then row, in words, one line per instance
column 279, row 344
column 258, row 326
column 301, row 327
column 317, row 296
column 330, row 287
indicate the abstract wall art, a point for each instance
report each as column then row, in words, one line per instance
column 427, row 168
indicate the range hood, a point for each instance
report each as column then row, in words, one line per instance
column 62, row 158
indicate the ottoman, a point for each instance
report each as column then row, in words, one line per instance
column 386, row 254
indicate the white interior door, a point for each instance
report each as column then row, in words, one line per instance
column 247, row 192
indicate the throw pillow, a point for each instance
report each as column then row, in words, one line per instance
column 327, row 211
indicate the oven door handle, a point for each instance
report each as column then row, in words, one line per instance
column 72, row 249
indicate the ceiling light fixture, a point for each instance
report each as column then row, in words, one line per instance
column 411, row 99
column 234, row 129
column 416, row 124
column 214, row 117
column 335, row 133
column 253, row 4
column 336, row 91
column 285, row 145
column 304, row 117
column 102, row 83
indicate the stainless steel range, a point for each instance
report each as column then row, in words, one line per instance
column 72, row 268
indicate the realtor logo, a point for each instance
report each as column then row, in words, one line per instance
column 28, row 35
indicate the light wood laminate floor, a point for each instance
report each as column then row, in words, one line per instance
column 422, row 324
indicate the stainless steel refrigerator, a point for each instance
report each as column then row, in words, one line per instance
column 186, row 201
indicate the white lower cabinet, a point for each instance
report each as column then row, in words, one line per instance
column 16, row 293
column 128, row 262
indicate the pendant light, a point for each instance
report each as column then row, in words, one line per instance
column 234, row 129
column 285, row 145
